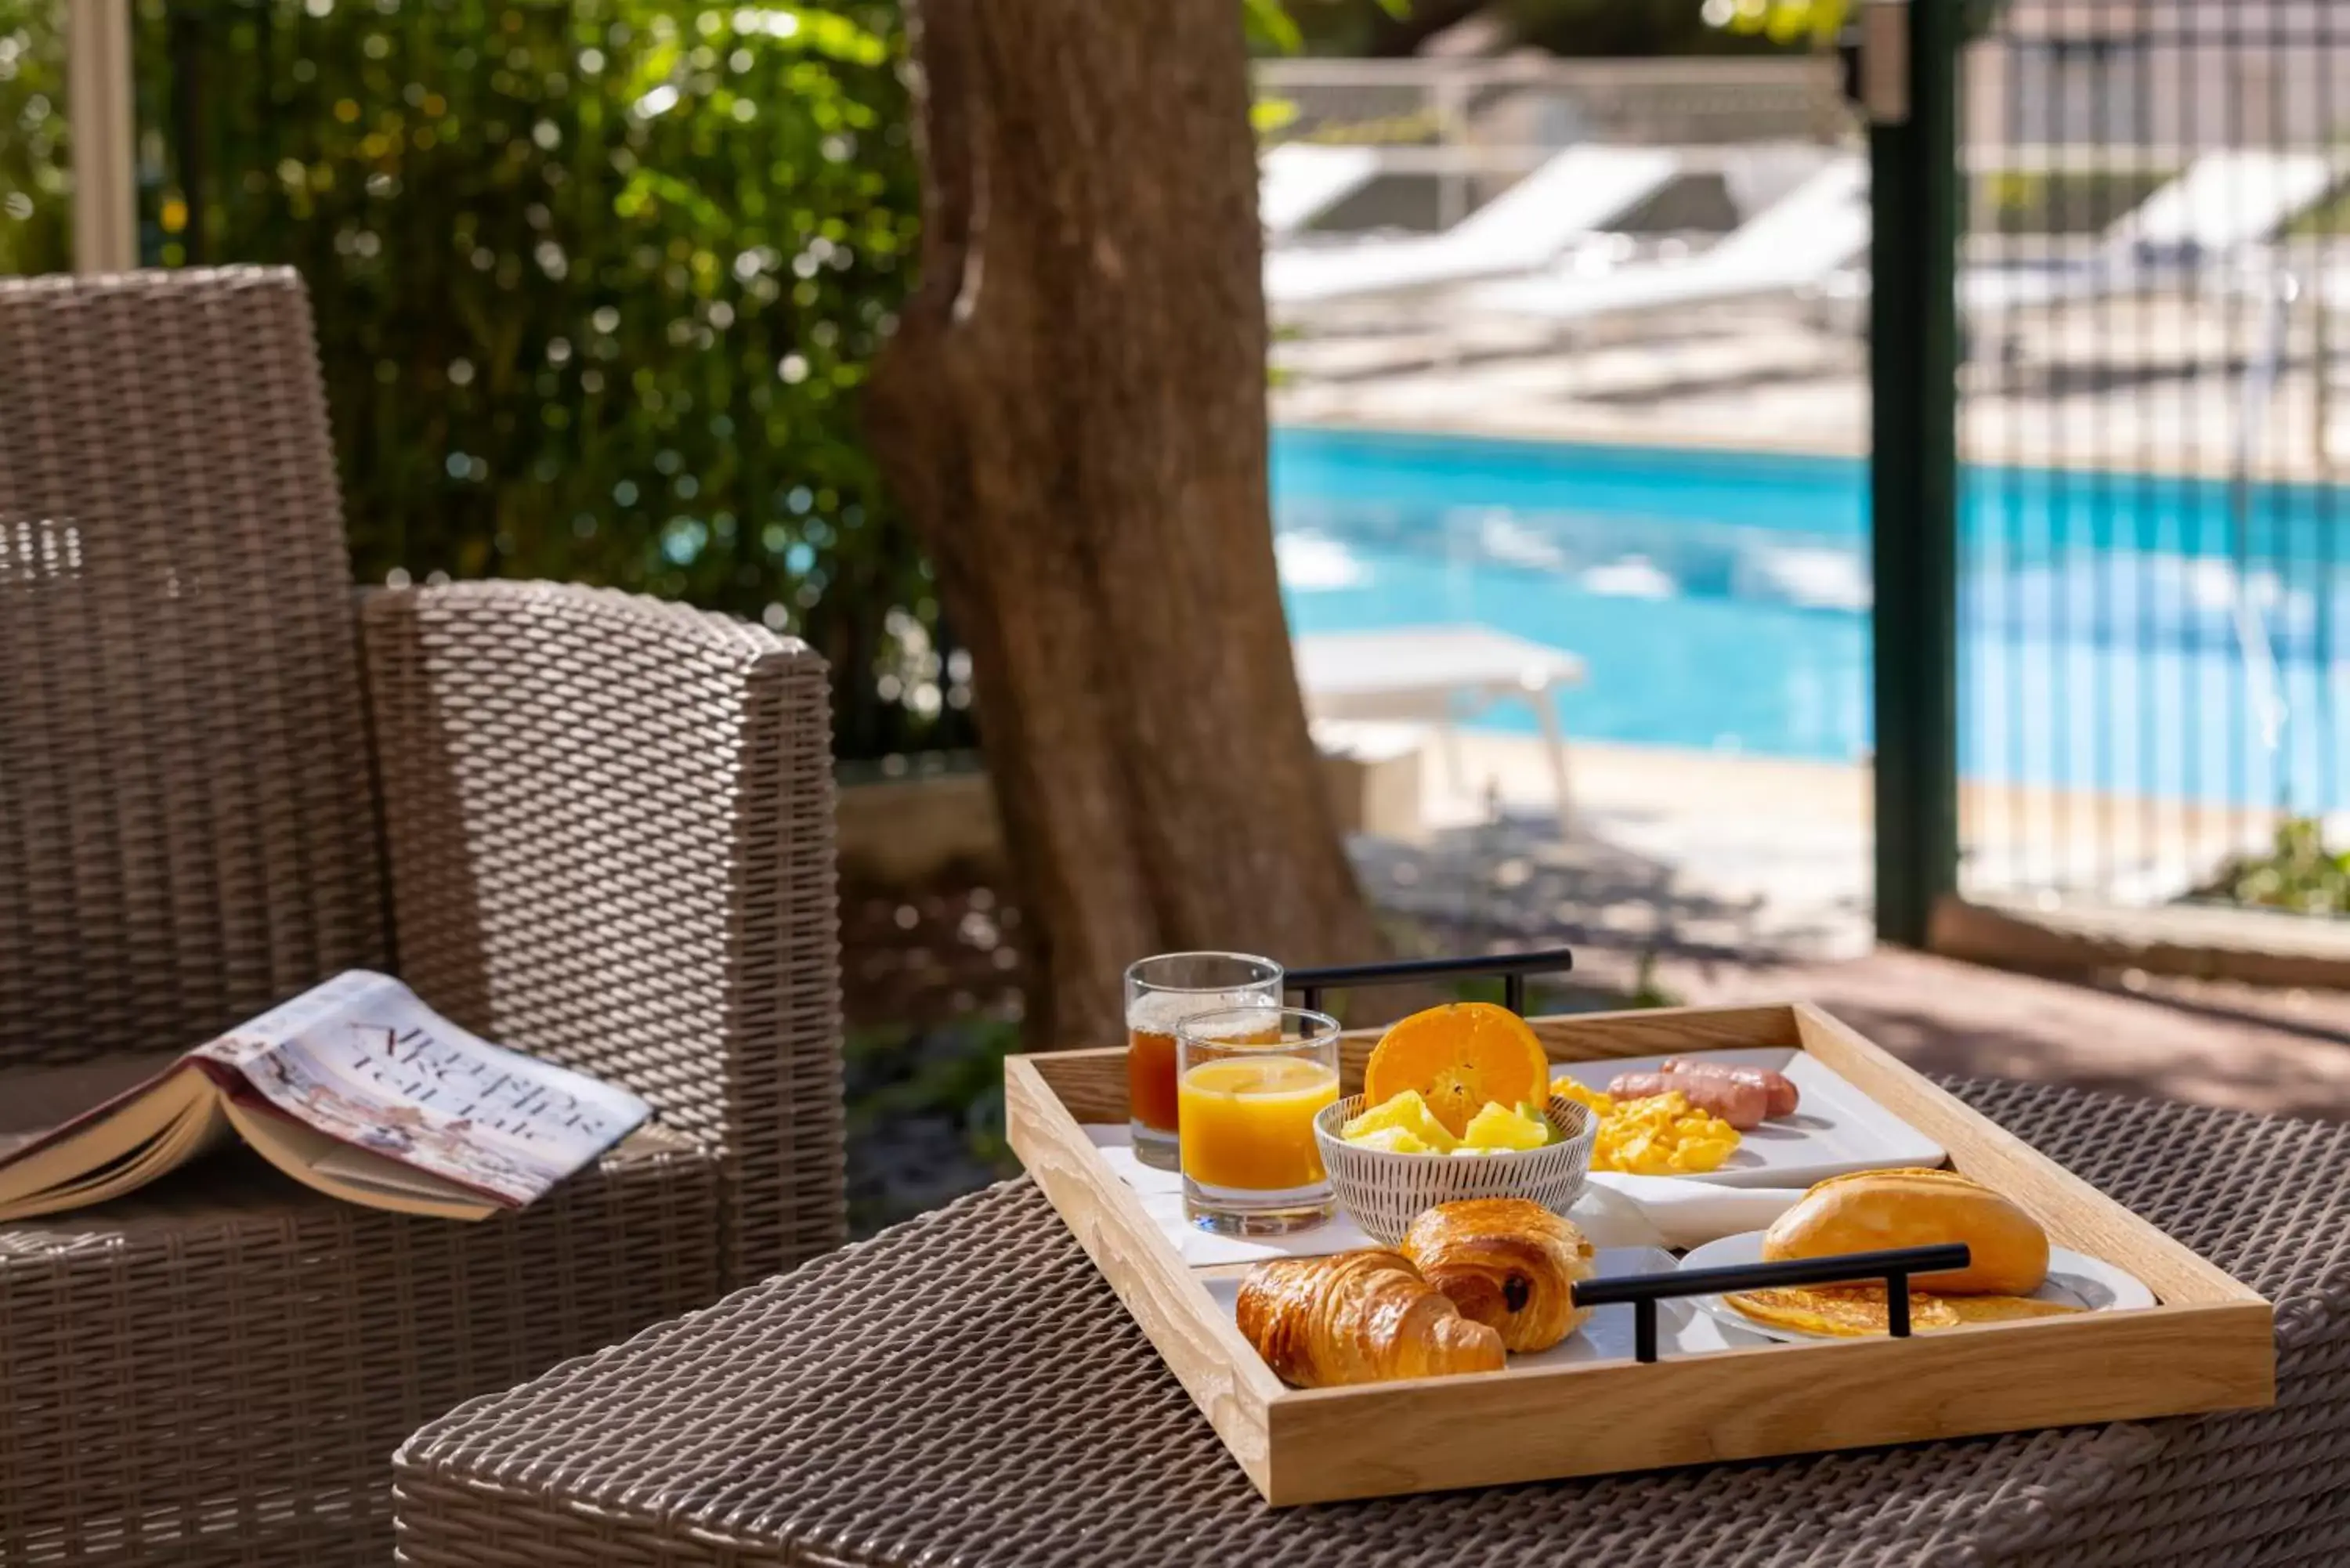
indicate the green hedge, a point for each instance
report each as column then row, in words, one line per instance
column 597, row 283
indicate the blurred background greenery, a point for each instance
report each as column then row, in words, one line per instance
column 596, row 283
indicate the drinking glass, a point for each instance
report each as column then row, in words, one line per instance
column 1160, row 994
column 1252, row 1079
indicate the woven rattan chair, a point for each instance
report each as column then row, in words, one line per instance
column 592, row 827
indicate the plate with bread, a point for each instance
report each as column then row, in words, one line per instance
column 2012, row 1273
column 1480, row 1285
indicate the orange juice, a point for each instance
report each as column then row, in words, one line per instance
column 1247, row 1123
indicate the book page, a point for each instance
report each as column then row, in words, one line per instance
column 362, row 1060
column 351, row 1174
column 122, row 1145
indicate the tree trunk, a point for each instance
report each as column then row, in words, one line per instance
column 1073, row 413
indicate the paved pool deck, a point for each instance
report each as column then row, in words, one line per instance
column 1722, row 851
column 2205, row 1043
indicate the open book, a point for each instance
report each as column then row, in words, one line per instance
column 355, row 1087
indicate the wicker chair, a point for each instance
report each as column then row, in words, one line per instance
column 590, row 825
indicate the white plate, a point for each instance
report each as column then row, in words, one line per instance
column 2075, row 1279
column 1606, row 1334
column 1836, row 1128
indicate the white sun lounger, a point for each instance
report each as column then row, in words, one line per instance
column 1440, row 675
column 1577, row 192
column 2224, row 203
column 1804, row 237
column 1299, row 181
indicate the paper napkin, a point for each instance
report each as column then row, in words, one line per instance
column 1613, row 1211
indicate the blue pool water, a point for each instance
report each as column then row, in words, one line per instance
column 1721, row 600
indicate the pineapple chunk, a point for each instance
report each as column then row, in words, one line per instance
column 1497, row 1128
column 1409, row 1112
column 1391, row 1140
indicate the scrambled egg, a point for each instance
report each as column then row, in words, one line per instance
column 1660, row 1135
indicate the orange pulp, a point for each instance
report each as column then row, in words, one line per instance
column 1458, row 1056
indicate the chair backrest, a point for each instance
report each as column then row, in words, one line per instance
column 187, row 824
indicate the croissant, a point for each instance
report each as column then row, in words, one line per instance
column 1358, row 1317
column 1506, row 1262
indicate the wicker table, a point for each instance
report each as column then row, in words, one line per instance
column 964, row 1388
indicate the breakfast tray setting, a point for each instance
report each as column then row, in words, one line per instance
column 1660, row 1373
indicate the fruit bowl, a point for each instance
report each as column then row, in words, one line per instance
column 1385, row 1192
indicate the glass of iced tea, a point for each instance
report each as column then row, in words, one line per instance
column 1160, row 992
column 1251, row 1080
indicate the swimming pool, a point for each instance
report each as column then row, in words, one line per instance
column 1721, row 601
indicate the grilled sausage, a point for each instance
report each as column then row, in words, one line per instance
column 1742, row 1104
column 1780, row 1088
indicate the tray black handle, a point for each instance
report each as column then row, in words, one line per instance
column 1512, row 969
column 1894, row 1265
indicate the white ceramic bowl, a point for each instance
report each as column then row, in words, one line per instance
column 1384, row 1192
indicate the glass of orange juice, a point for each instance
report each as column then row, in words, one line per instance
column 1249, row 1082
column 1160, row 994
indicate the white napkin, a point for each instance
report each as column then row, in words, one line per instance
column 1613, row 1211
column 1672, row 1211
column 1162, row 1192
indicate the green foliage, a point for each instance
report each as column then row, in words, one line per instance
column 925, row 1115
column 2300, row 874
column 1271, row 28
column 1820, row 22
column 1781, row 21
column 596, row 283
column 35, row 190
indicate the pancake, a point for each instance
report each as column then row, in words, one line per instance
column 1854, row 1312
column 2005, row 1309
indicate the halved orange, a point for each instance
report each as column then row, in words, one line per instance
column 1458, row 1056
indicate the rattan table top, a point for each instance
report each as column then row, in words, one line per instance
column 965, row 1389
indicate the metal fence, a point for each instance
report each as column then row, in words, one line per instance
column 2152, row 554
column 1474, row 124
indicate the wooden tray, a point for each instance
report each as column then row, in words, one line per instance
column 2207, row 1346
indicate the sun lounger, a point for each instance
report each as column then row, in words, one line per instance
column 1804, row 237
column 1299, row 182
column 1577, row 194
column 2224, row 203
column 1440, row 675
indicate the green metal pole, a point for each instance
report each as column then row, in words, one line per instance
column 1915, row 197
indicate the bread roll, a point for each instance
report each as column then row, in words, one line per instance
column 1873, row 1209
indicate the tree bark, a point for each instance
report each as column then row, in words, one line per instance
column 1073, row 414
